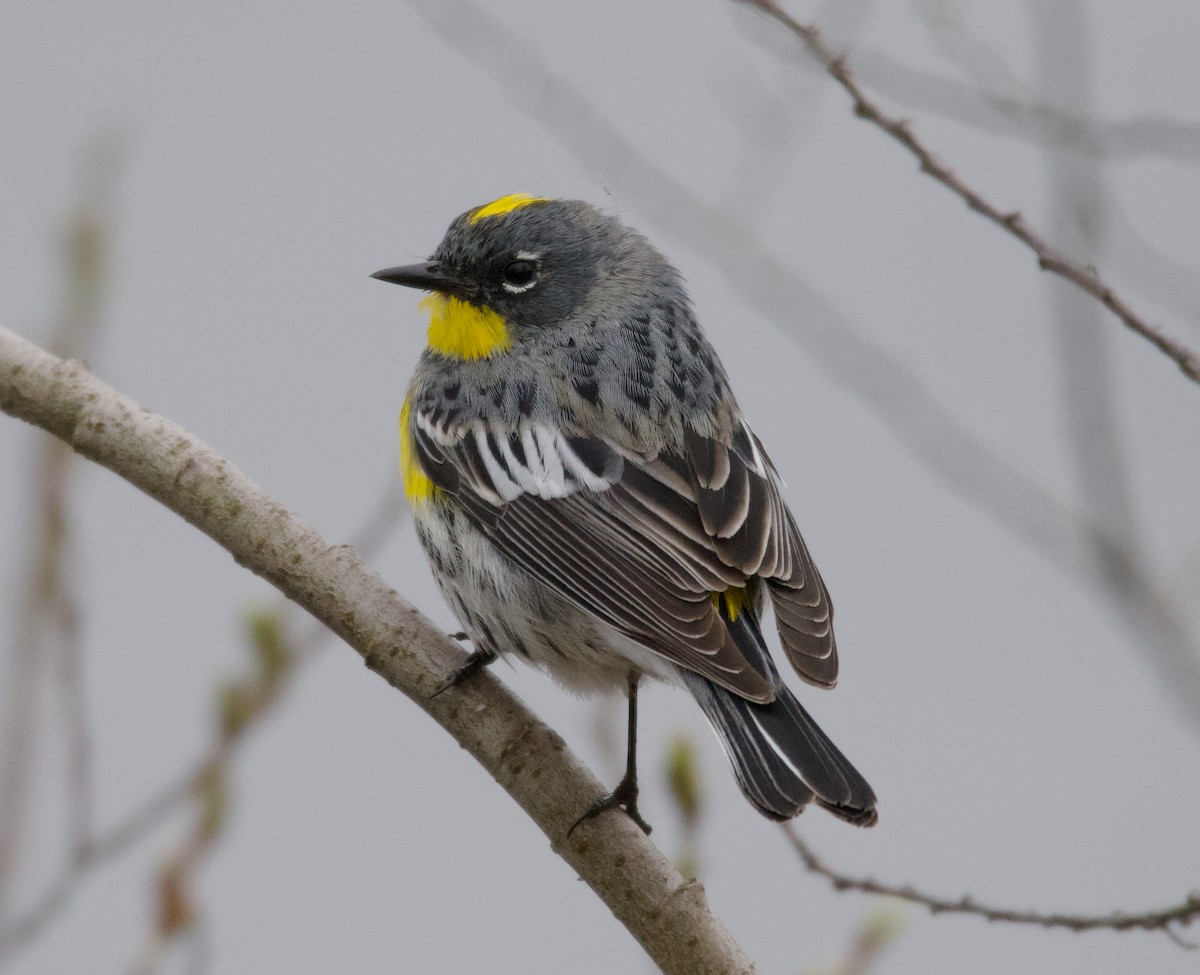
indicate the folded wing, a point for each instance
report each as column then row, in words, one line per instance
column 642, row 543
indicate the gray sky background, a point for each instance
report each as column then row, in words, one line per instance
column 1026, row 746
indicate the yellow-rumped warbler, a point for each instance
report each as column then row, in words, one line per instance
column 591, row 499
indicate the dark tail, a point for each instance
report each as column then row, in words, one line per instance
column 782, row 760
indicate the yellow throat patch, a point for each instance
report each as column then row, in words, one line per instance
column 462, row 330
column 506, row 204
column 418, row 488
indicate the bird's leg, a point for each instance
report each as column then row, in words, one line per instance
column 476, row 660
column 625, row 795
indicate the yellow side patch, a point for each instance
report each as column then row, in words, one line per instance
column 506, row 204
column 458, row 328
column 733, row 601
column 418, row 488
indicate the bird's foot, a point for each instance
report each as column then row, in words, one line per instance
column 476, row 661
column 624, row 797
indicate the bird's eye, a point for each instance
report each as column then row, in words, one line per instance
column 520, row 275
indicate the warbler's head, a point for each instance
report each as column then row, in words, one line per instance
column 514, row 268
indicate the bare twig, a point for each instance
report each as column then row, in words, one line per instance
column 384, row 518
column 1180, row 915
column 1049, row 259
column 669, row 916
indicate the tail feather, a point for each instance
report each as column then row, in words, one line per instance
column 781, row 758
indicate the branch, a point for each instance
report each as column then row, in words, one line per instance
column 669, row 916
column 1035, row 122
column 1181, row 914
column 45, row 658
column 1049, row 259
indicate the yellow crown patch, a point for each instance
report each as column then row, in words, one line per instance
column 506, row 204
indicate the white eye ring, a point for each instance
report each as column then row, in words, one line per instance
column 525, row 258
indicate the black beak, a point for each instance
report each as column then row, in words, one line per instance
column 427, row 276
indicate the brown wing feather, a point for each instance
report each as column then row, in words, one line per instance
column 752, row 529
column 646, row 554
column 614, row 568
column 633, row 556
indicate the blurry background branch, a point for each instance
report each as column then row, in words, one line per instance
column 1061, row 49
column 1027, row 120
column 668, row 916
column 992, row 100
column 877, row 931
column 996, row 101
column 1049, row 258
column 1181, row 915
column 241, row 704
column 44, row 652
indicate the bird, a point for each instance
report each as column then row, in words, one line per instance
column 591, row 499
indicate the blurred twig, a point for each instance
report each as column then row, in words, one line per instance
column 1049, row 258
column 241, row 704
column 106, row 846
column 880, row 928
column 1053, row 124
column 1134, row 137
column 686, row 790
column 973, row 55
column 49, row 607
column 993, row 101
column 1089, row 389
column 45, row 645
column 1171, row 282
column 774, row 116
column 197, row 782
column 1061, row 47
column 1180, row 915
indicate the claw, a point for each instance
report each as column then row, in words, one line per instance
column 623, row 797
column 476, row 661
